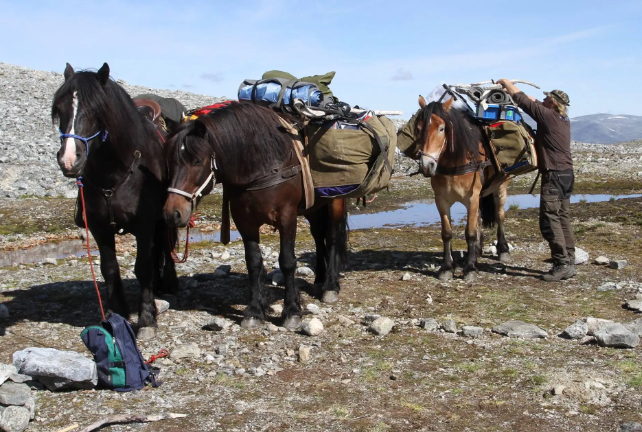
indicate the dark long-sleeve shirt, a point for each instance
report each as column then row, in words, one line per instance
column 553, row 138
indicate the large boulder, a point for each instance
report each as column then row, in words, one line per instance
column 57, row 370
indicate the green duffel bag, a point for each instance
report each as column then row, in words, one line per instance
column 513, row 146
column 406, row 141
column 363, row 156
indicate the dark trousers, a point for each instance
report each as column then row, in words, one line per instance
column 554, row 216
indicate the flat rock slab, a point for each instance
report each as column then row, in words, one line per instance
column 56, row 369
column 14, row 393
column 616, row 336
column 634, row 326
column 520, row 329
column 601, row 260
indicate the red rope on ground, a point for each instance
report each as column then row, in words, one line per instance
column 91, row 264
column 162, row 353
column 177, row 260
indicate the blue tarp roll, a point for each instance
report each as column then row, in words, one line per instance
column 269, row 92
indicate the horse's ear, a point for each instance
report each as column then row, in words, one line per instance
column 199, row 129
column 103, row 74
column 69, row 71
column 422, row 101
column 448, row 104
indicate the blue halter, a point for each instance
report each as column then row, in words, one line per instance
column 83, row 139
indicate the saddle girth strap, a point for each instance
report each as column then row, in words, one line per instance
column 225, row 218
column 463, row 169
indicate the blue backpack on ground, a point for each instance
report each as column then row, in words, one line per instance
column 120, row 365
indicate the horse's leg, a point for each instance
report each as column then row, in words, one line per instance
column 116, row 300
column 446, row 270
column 287, row 261
column 163, row 244
column 472, row 237
column 318, row 228
column 337, row 243
column 145, row 273
column 500, row 200
column 254, row 313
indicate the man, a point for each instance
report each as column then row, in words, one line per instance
column 553, row 147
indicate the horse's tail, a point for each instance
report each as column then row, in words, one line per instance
column 343, row 230
column 488, row 210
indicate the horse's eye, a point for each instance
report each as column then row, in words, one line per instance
column 198, row 162
column 441, row 128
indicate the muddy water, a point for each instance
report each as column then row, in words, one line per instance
column 418, row 213
column 77, row 248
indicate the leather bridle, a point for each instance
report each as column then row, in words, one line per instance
column 191, row 197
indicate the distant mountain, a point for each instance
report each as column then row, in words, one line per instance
column 606, row 128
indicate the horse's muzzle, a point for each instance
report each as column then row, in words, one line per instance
column 177, row 211
column 428, row 166
column 73, row 169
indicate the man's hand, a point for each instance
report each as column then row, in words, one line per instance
column 510, row 88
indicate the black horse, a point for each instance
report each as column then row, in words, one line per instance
column 118, row 156
column 251, row 152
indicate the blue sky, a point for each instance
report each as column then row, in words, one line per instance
column 385, row 53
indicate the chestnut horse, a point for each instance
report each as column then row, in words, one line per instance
column 454, row 157
column 251, row 153
column 117, row 154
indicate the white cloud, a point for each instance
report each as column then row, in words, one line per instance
column 214, row 77
column 402, row 75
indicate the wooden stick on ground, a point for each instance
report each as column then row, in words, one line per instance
column 68, row 428
column 124, row 418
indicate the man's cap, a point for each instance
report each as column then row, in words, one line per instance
column 559, row 95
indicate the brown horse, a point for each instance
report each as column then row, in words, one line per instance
column 251, row 153
column 454, row 157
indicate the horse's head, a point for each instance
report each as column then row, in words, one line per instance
column 191, row 165
column 80, row 126
column 432, row 130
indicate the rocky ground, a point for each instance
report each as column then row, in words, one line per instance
column 441, row 367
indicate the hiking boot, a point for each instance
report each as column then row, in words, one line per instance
column 557, row 273
column 571, row 272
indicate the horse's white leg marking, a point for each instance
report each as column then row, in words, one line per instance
column 69, row 155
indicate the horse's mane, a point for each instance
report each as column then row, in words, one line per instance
column 109, row 104
column 460, row 125
column 247, row 140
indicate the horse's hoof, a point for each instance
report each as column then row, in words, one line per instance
column 504, row 257
column 250, row 323
column 330, row 297
column 146, row 333
column 470, row 277
column 445, row 276
column 292, row 323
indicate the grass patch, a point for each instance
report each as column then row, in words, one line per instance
column 513, row 207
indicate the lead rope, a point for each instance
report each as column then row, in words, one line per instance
column 91, row 264
column 190, row 224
